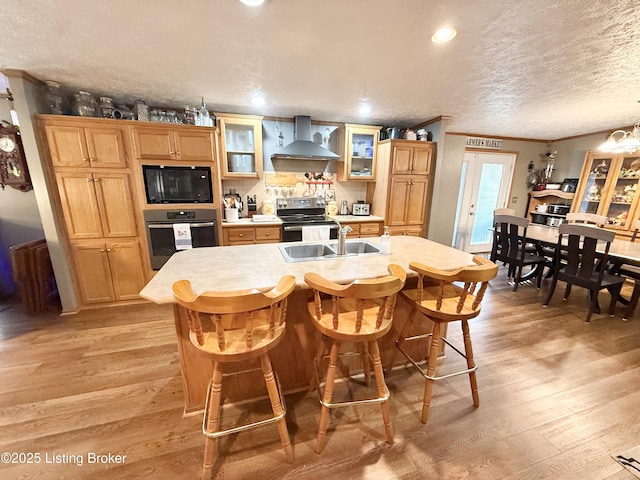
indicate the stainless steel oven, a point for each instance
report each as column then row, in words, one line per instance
column 298, row 212
column 161, row 234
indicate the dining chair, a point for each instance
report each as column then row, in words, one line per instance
column 357, row 313
column 579, row 262
column 592, row 218
column 509, row 247
column 630, row 272
column 237, row 327
column 504, row 211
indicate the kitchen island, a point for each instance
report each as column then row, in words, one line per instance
column 261, row 266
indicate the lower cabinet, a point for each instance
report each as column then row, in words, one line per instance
column 364, row 229
column 407, row 203
column 250, row 235
column 406, row 230
column 108, row 271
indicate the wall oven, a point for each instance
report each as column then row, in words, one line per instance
column 161, row 234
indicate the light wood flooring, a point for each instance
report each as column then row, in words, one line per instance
column 558, row 397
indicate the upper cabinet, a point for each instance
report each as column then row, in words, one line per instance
column 411, row 158
column 85, row 146
column 173, row 142
column 240, row 145
column 359, row 151
column 402, row 192
column 609, row 186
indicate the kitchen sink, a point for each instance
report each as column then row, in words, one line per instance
column 309, row 252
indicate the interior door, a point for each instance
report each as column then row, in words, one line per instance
column 484, row 186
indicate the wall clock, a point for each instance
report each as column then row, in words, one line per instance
column 13, row 166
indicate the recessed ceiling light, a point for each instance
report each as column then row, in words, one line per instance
column 444, row 35
column 258, row 100
column 364, row 110
column 253, row 3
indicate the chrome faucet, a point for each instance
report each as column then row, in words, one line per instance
column 342, row 236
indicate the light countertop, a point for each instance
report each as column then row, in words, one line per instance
column 262, row 265
column 248, row 222
column 244, row 222
column 357, row 218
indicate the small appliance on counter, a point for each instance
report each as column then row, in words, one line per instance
column 361, row 209
column 344, row 208
column 569, row 185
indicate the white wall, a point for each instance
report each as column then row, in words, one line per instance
column 19, row 220
column 28, row 102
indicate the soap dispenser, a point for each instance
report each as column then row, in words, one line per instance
column 385, row 242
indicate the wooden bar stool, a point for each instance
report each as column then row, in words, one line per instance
column 360, row 313
column 237, row 326
column 442, row 303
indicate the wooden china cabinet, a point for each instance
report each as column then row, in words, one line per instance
column 402, row 194
column 609, row 185
column 88, row 164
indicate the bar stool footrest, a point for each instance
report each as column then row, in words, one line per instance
column 422, row 371
column 248, row 426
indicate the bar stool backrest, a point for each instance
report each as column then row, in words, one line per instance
column 454, row 302
column 241, row 321
column 355, row 298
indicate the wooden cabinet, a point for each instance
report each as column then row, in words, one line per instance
column 90, row 168
column 403, row 194
column 173, row 142
column 240, row 145
column 80, row 146
column 609, row 186
column 557, row 205
column 249, row 234
column 96, row 205
column 108, row 271
column 359, row 150
column 363, row 229
column 411, row 158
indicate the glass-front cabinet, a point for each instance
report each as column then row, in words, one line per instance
column 609, row 186
column 360, row 144
column 240, row 145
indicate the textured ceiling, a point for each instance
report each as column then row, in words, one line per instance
column 547, row 69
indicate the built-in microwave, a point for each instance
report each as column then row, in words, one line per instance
column 169, row 184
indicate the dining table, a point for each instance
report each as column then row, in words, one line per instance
column 621, row 251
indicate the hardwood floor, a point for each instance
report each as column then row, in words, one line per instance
column 558, row 397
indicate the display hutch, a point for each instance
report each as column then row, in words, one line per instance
column 609, row 186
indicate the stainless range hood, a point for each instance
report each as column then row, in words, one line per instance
column 302, row 148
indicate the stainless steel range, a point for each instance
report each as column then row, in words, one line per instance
column 297, row 212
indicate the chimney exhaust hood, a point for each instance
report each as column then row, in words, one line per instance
column 302, row 148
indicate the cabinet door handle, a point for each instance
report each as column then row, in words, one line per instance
column 102, row 249
column 178, row 154
column 108, row 249
column 241, row 235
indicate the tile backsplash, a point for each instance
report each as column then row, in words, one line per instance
column 349, row 191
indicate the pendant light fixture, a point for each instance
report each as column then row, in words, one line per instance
column 623, row 141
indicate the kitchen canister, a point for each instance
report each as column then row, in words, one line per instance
column 231, row 215
column 141, row 110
